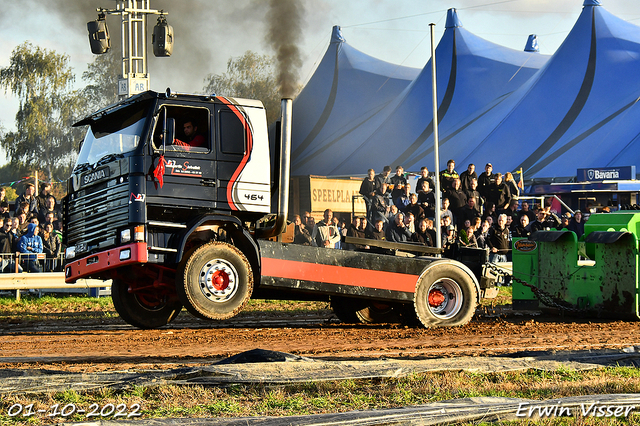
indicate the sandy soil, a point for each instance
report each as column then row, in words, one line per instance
column 95, row 345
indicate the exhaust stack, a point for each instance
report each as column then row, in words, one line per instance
column 282, row 208
column 286, row 111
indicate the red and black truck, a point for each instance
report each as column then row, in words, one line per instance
column 174, row 225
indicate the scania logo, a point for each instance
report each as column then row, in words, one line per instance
column 525, row 245
column 591, row 174
column 95, row 175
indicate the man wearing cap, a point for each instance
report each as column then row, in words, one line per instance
column 485, row 179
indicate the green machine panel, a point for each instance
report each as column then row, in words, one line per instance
column 597, row 275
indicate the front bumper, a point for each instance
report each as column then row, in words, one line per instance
column 105, row 260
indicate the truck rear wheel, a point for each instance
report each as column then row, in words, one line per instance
column 445, row 296
column 377, row 313
column 143, row 311
column 357, row 311
column 346, row 309
column 215, row 282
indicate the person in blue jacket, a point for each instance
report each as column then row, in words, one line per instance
column 31, row 243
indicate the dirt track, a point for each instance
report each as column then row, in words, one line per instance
column 94, row 345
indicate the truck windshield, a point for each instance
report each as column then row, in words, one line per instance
column 112, row 135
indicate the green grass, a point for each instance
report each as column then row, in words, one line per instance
column 55, row 308
column 503, row 297
column 50, row 308
column 71, row 303
column 9, row 305
column 342, row 396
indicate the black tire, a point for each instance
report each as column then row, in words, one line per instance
column 453, row 296
column 408, row 315
column 215, row 281
column 377, row 313
column 357, row 311
column 141, row 313
column 346, row 309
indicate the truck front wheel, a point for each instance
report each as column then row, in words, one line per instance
column 215, row 281
column 143, row 310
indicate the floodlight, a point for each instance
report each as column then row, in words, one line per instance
column 99, row 35
column 162, row 38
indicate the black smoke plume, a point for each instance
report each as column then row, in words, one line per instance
column 284, row 31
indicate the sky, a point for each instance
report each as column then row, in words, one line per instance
column 209, row 32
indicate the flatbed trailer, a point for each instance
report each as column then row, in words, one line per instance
column 440, row 292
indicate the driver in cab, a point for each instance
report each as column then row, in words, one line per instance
column 191, row 136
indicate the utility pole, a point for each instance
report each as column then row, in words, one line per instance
column 135, row 74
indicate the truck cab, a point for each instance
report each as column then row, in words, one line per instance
column 141, row 195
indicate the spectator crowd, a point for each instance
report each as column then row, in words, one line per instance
column 33, row 228
column 476, row 211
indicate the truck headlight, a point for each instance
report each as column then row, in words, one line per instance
column 70, row 252
column 125, row 235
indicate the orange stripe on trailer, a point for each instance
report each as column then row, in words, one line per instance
column 331, row 274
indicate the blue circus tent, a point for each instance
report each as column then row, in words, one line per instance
column 471, row 72
column 517, row 109
column 578, row 111
column 348, row 86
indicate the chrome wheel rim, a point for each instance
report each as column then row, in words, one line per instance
column 444, row 299
column 218, row 280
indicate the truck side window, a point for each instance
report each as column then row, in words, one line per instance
column 232, row 134
column 191, row 129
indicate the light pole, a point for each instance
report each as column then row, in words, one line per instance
column 135, row 74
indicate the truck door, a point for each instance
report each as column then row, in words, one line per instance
column 233, row 146
column 189, row 178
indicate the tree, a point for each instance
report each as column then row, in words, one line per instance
column 249, row 76
column 102, row 76
column 41, row 79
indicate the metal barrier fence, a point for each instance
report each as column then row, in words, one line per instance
column 14, row 275
column 19, row 262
